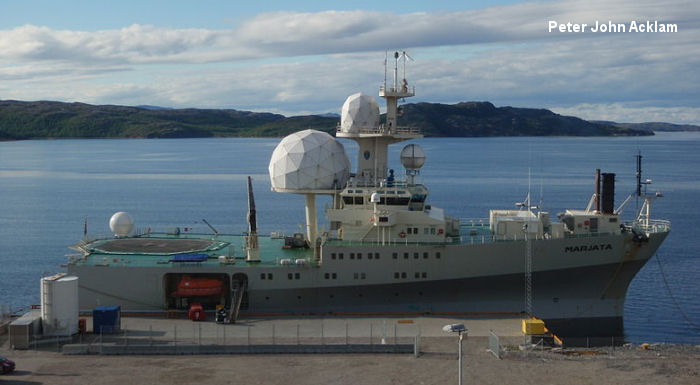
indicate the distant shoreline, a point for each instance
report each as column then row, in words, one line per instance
column 56, row 120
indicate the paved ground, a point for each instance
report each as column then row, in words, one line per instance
column 660, row 364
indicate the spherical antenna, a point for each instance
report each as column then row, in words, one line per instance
column 412, row 157
column 359, row 112
column 121, row 224
column 308, row 161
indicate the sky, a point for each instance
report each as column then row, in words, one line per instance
column 306, row 57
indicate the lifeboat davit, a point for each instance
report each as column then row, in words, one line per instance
column 199, row 287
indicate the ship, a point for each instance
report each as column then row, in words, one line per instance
column 385, row 250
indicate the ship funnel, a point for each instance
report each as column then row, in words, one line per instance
column 607, row 193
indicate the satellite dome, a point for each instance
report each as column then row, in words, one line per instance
column 121, row 224
column 412, row 157
column 359, row 112
column 308, row 160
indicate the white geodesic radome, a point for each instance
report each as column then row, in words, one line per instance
column 308, row 160
column 359, row 112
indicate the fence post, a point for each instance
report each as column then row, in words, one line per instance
column 346, row 333
column 273, row 334
column 370, row 334
column 297, row 334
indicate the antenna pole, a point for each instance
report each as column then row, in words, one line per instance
column 639, row 173
column 396, row 71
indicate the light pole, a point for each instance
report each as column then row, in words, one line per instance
column 459, row 329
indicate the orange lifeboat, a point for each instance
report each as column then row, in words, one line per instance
column 199, row 287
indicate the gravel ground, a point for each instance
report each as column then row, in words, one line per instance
column 437, row 364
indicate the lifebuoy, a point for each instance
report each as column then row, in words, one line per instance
column 402, row 234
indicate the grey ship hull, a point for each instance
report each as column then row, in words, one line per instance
column 579, row 284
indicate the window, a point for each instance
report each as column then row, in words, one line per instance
column 424, row 275
column 403, row 275
column 347, row 200
column 432, row 230
column 356, row 275
column 334, row 275
column 262, row 276
column 394, row 255
column 415, row 230
column 359, row 255
column 359, row 200
column 297, row 276
column 362, row 276
column 409, row 231
column 290, row 276
column 416, row 275
column 376, row 255
column 269, row 275
column 426, row 230
column 405, row 255
column 396, row 275
column 437, row 255
column 332, row 255
column 415, row 255
column 340, row 256
column 352, row 255
column 369, row 255
column 425, row 255
column 326, row 276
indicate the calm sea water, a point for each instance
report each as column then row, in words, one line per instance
column 48, row 188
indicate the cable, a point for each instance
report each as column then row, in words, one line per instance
column 663, row 276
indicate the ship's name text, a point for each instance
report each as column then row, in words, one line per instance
column 602, row 246
column 610, row 27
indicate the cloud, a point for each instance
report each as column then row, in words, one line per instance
column 293, row 62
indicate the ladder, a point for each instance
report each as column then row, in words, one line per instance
column 236, row 299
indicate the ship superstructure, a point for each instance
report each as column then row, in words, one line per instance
column 385, row 248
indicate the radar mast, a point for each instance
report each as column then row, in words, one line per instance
column 373, row 142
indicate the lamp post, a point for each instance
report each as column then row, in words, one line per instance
column 459, row 329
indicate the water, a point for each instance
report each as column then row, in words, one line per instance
column 48, row 188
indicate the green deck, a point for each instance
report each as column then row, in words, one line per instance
column 156, row 249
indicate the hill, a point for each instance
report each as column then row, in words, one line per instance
column 45, row 119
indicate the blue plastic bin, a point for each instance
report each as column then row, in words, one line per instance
column 106, row 319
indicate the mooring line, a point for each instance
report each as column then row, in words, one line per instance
column 670, row 294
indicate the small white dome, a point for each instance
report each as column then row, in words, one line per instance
column 121, row 224
column 412, row 157
column 375, row 198
column 309, row 160
column 359, row 112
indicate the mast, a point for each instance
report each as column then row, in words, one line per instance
column 372, row 164
column 251, row 240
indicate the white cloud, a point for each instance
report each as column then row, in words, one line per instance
column 308, row 62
